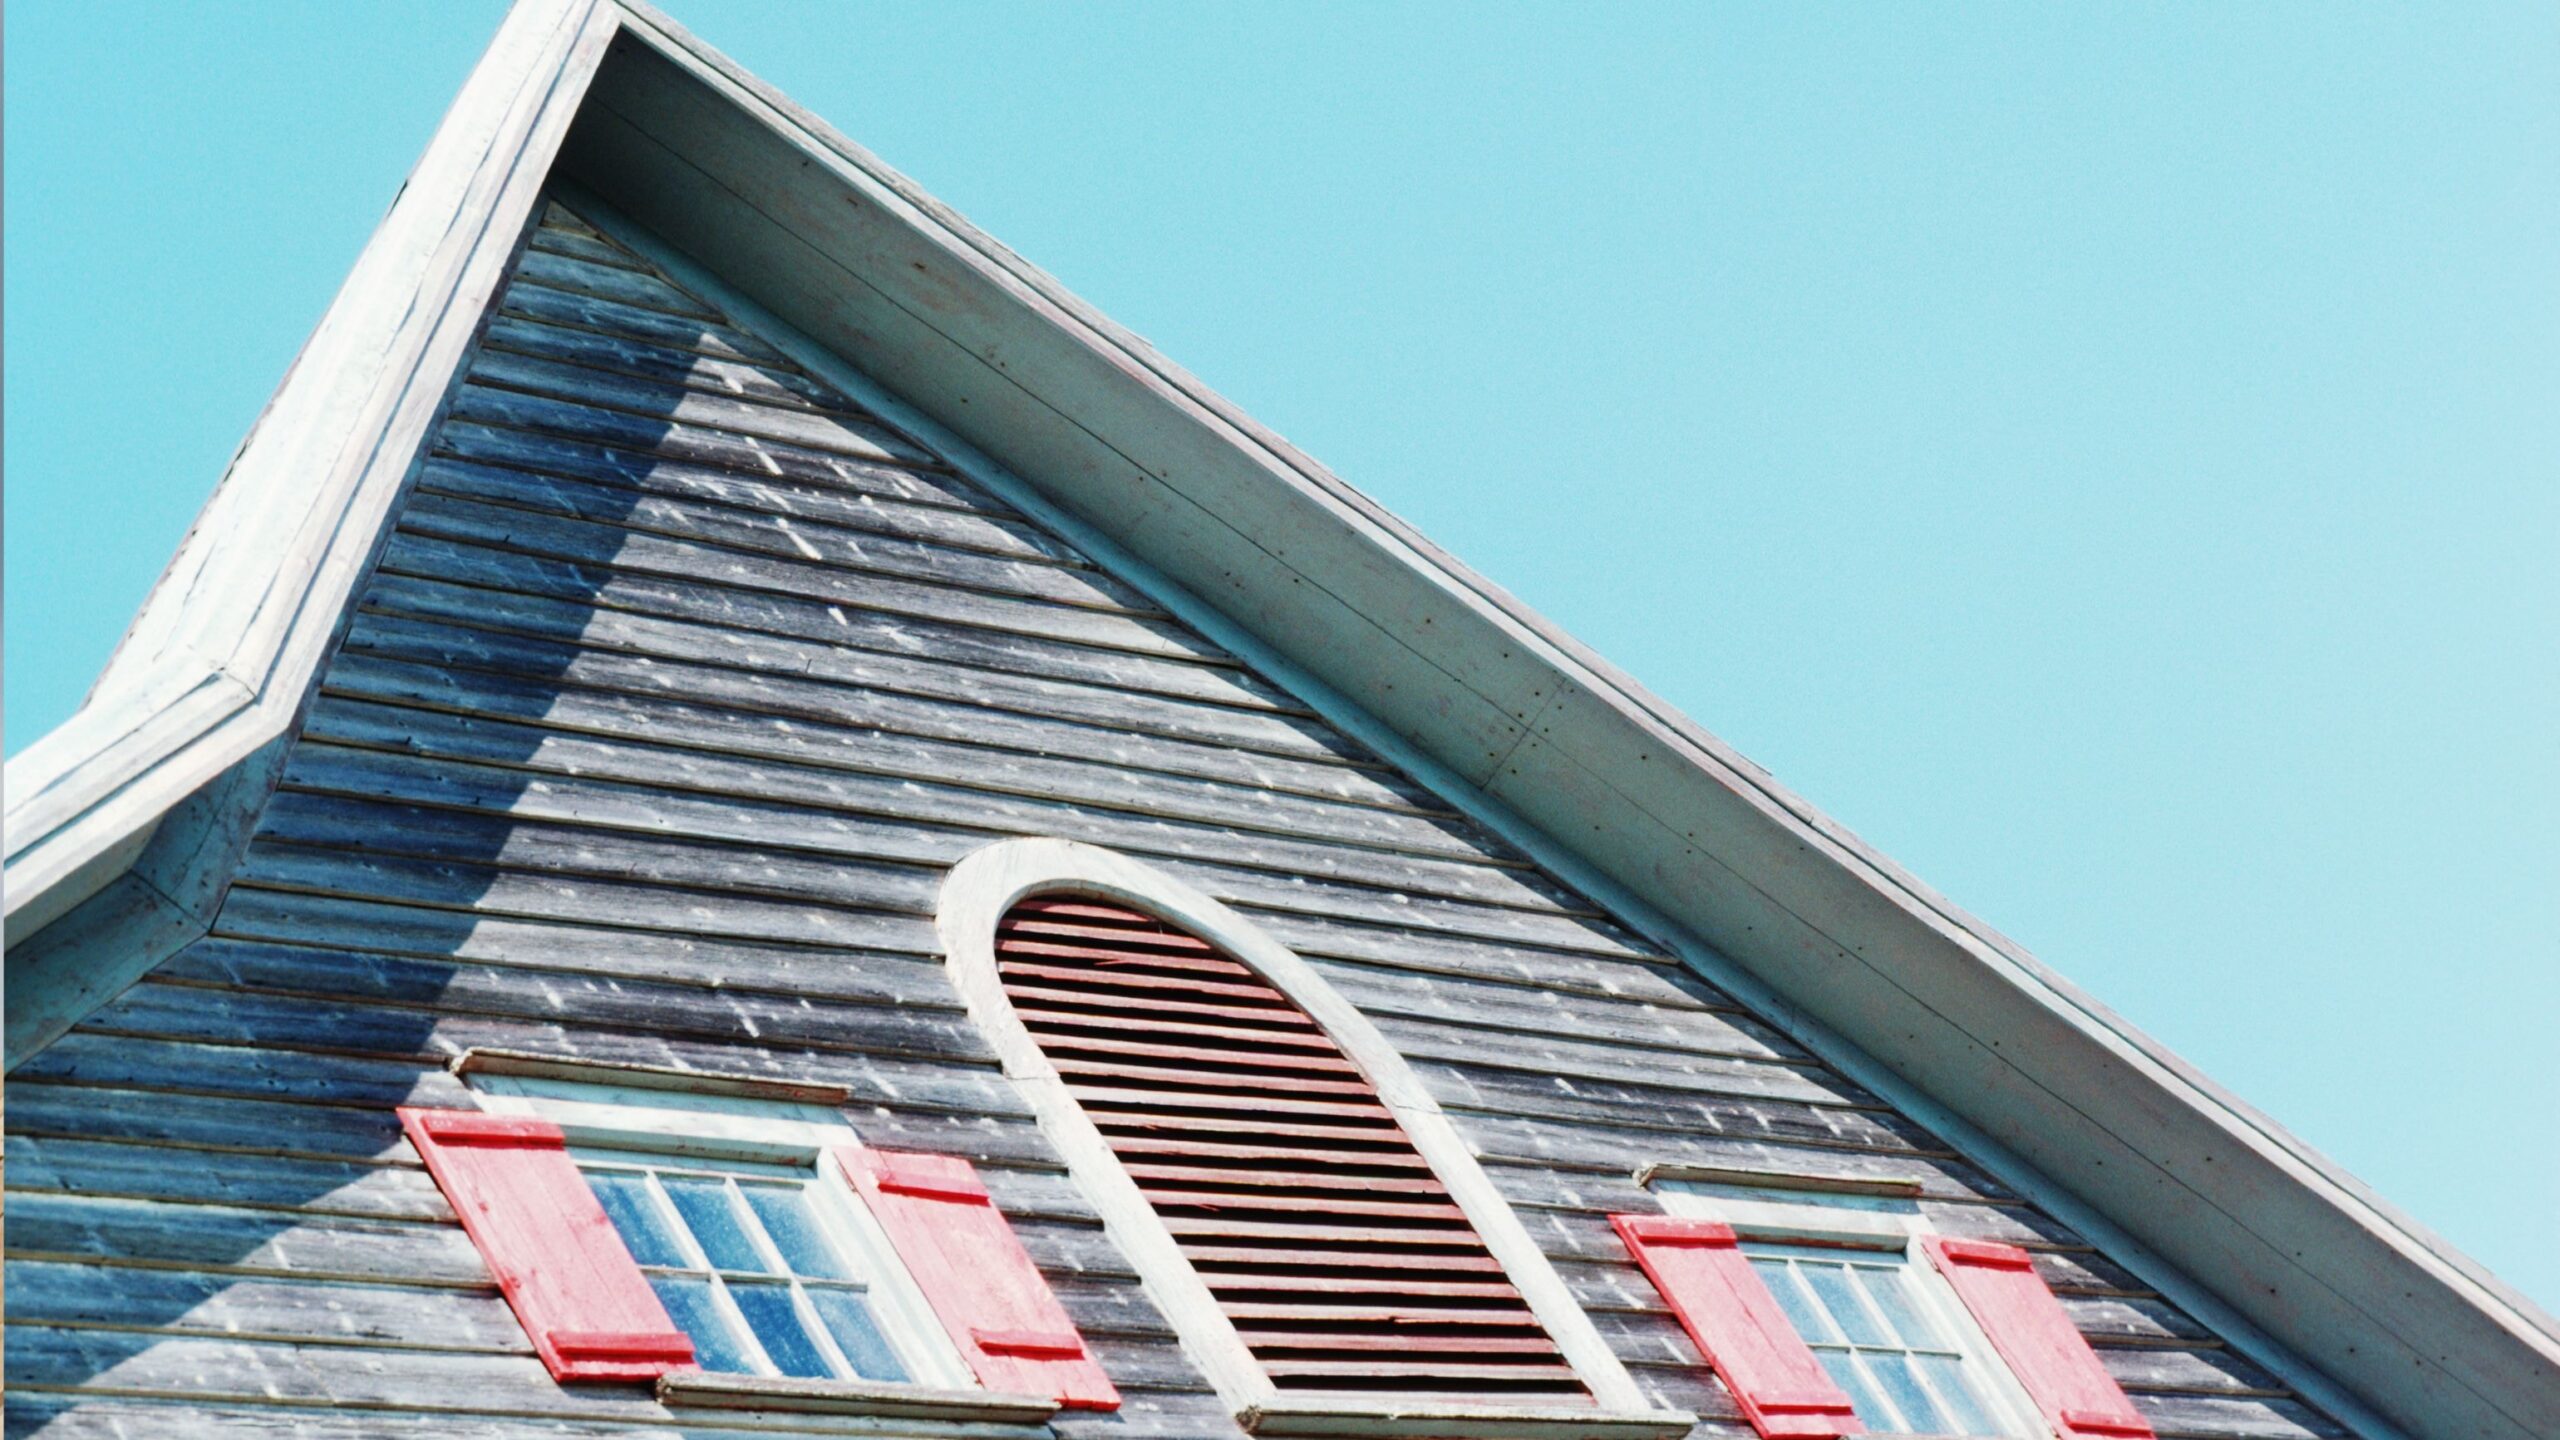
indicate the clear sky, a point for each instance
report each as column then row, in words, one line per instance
column 2108, row 456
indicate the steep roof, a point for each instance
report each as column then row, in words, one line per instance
column 122, row 824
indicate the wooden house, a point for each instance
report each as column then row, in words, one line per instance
column 741, row 818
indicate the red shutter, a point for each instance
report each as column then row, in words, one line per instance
column 1728, row 1310
column 1999, row 1284
column 559, row 1261
column 979, row 1280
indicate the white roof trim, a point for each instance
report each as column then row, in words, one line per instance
column 1543, row 738
column 218, row 662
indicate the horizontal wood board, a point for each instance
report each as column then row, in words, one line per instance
column 680, row 684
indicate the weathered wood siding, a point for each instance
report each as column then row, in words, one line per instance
column 680, row 685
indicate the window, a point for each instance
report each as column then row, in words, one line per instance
column 759, row 1267
column 732, row 1240
column 1833, row 1309
column 1298, row 1206
column 1873, row 1330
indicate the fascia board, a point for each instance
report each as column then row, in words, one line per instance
column 822, row 233
column 220, row 659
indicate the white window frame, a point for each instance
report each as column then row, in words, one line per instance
column 1768, row 1211
column 654, row 1125
column 989, row 882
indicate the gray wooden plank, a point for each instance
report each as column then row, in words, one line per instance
column 583, row 543
column 90, row 1229
column 624, row 609
column 1662, row 1014
column 1609, row 1150
column 367, row 836
column 584, row 245
column 723, row 529
column 936, row 1032
column 141, row 1170
column 688, row 425
column 258, row 1308
column 1576, row 1020
column 195, row 1122
column 529, row 724
column 77, row 1415
column 584, row 900
column 455, row 627
column 882, row 508
column 1749, row 1107
column 543, row 964
column 587, row 312
column 954, row 1069
column 862, row 807
column 1487, row 1054
column 729, row 526
column 125, row 1060
column 543, row 264
column 663, row 363
column 357, row 926
column 598, row 461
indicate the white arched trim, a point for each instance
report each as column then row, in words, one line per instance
column 978, row 893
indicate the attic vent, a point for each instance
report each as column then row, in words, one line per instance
column 1295, row 1194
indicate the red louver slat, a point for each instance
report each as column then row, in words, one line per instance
column 1293, row 1191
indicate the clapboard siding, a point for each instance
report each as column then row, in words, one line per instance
column 679, row 686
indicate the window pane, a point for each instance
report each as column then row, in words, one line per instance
column 1893, row 1375
column 638, row 1215
column 1892, row 1294
column 1863, row 1396
column 848, row 1317
column 1792, row 1298
column 1956, row 1395
column 793, row 1228
column 1832, row 1285
column 712, row 1213
column 698, row 1313
column 776, row 1321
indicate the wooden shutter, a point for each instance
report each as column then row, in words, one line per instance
column 558, row 1260
column 2015, row 1309
column 1294, row 1192
column 1725, row 1306
column 976, row 1275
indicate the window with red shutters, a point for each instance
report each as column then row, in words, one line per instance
column 1325, row 1237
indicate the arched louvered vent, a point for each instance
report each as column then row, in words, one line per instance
column 1295, row 1194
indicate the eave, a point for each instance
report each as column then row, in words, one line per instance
column 109, row 867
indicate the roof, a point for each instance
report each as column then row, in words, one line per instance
column 123, row 823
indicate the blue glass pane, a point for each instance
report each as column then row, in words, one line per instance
column 1862, row 1394
column 776, row 1322
column 1892, row 1294
column 848, row 1317
column 1831, row 1284
column 697, row 1312
column 793, row 1228
column 1956, row 1394
column 717, row 1222
column 638, row 1215
column 1893, row 1375
column 1807, row 1316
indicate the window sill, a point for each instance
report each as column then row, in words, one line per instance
column 1479, row 1422
column 850, row 1397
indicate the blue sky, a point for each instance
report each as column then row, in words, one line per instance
column 2107, row 456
